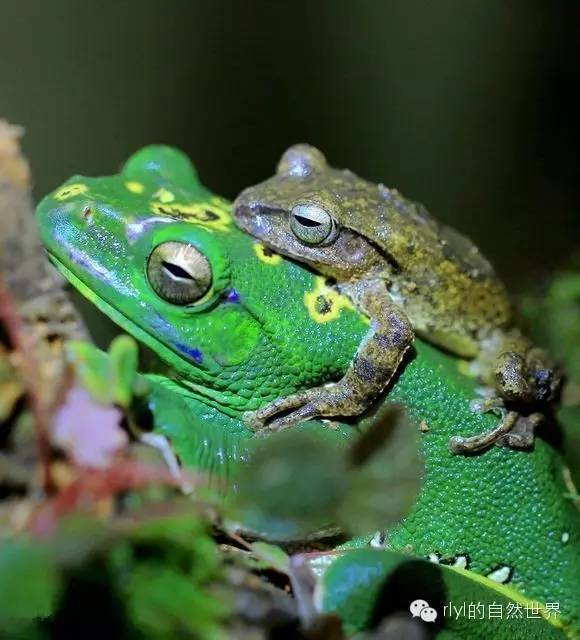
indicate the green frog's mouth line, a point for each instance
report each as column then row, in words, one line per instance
column 144, row 336
column 114, row 314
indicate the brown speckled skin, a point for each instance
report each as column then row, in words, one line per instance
column 433, row 277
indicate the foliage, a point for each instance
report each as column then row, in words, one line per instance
column 157, row 570
column 275, row 495
column 146, row 559
column 555, row 318
column 112, row 377
column 114, row 534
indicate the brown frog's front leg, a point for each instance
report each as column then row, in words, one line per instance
column 373, row 365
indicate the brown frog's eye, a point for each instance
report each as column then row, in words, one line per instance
column 178, row 273
column 310, row 223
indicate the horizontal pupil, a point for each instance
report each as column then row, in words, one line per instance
column 308, row 222
column 175, row 270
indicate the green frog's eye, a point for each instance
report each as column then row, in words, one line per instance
column 310, row 223
column 178, row 273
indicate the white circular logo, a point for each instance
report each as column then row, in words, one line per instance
column 416, row 606
column 421, row 609
column 428, row 614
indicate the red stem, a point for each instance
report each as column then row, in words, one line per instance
column 28, row 366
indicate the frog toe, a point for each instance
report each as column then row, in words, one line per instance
column 253, row 421
column 264, row 419
column 488, row 403
column 523, row 433
column 289, row 420
column 473, row 444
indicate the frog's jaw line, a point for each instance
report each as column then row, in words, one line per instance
column 119, row 318
column 215, row 398
column 203, row 389
column 256, row 222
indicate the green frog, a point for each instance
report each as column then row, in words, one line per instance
column 236, row 326
column 409, row 275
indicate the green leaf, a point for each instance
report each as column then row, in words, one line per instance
column 569, row 418
column 109, row 377
column 291, row 485
column 92, row 368
column 29, row 582
column 367, row 585
column 184, row 538
column 165, row 566
column 123, row 362
column 271, row 557
column 385, row 475
column 163, row 603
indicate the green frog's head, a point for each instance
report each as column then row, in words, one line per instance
column 159, row 254
column 143, row 245
column 314, row 213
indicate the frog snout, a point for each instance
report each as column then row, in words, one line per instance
column 87, row 213
column 55, row 221
column 252, row 218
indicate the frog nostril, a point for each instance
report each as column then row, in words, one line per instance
column 87, row 213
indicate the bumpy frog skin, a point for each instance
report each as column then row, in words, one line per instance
column 408, row 274
column 257, row 327
column 160, row 254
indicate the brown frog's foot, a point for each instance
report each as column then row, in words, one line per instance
column 459, row 444
column 331, row 400
column 526, row 378
column 488, row 402
column 523, row 432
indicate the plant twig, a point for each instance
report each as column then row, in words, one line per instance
column 28, row 368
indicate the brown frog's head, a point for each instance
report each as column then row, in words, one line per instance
column 306, row 211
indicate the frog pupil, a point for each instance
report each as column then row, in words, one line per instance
column 307, row 222
column 175, row 270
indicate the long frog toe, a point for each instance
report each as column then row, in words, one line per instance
column 473, row 444
column 306, row 412
column 319, row 402
column 488, row 403
column 253, row 421
column 258, row 420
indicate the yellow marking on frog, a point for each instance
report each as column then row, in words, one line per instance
column 324, row 304
column 70, row 190
column 135, row 187
column 512, row 593
column 206, row 214
column 266, row 255
column 221, row 203
column 164, row 195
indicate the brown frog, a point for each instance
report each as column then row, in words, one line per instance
column 408, row 274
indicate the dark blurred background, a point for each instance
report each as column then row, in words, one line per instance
column 470, row 107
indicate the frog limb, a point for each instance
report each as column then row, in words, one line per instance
column 517, row 369
column 373, row 366
column 514, row 431
column 519, row 373
column 522, row 434
column 459, row 444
